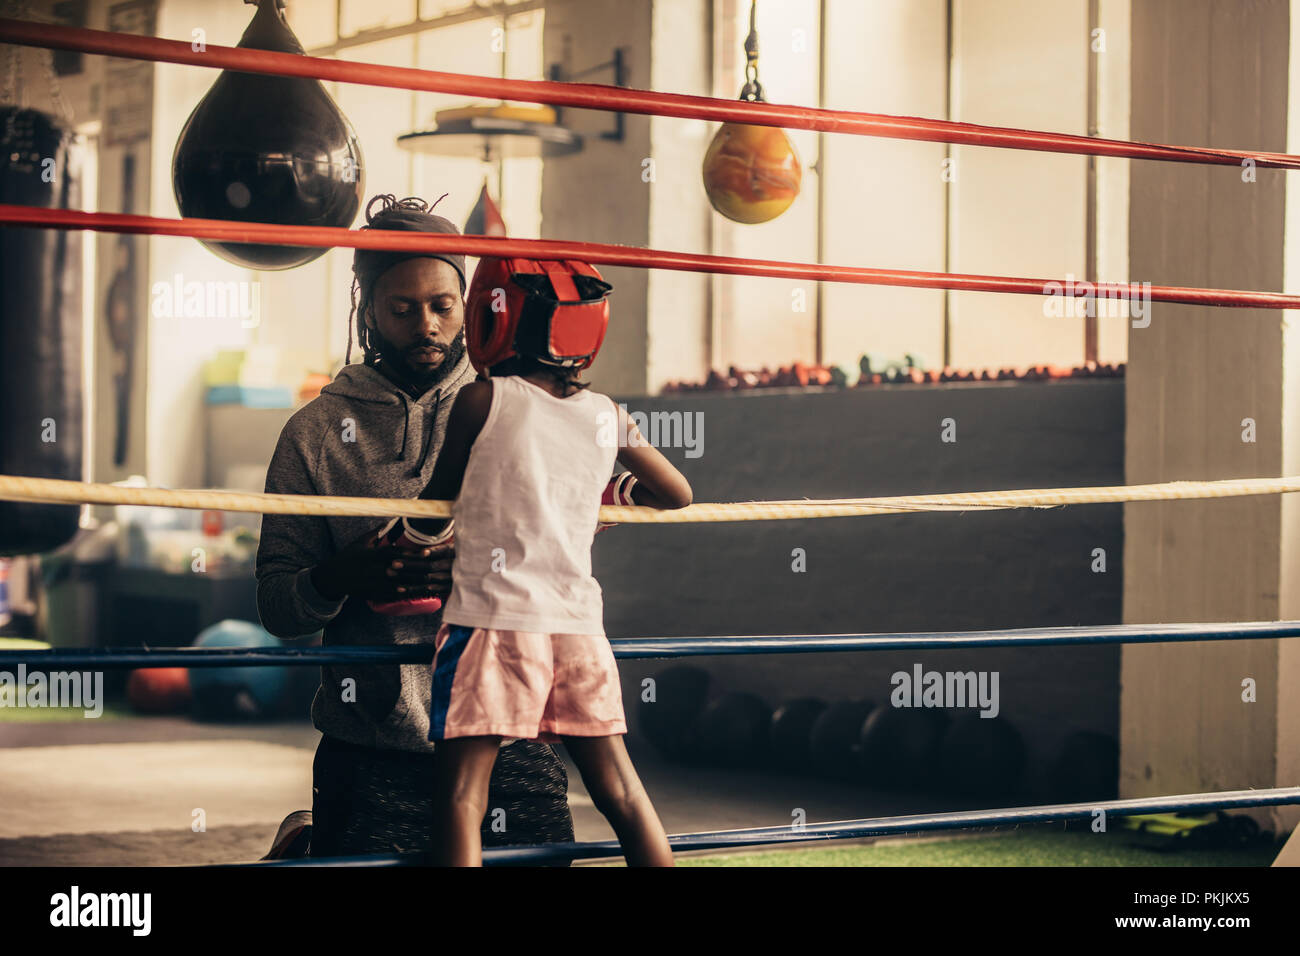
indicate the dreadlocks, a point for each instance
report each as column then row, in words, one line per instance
column 411, row 214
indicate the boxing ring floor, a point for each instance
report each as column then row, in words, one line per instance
column 121, row 791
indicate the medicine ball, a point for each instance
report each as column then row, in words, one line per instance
column 792, row 726
column 899, row 746
column 981, row 756
column 668, row 720
column 1086, row 768
column 159, row 690
column 833, row 741
column 237, row 693
column 732, row 730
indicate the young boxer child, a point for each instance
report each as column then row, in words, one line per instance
column 527, row 459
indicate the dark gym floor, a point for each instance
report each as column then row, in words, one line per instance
column 128, row 791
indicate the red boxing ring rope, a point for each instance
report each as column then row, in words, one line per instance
column 616, row 99
column 615, row 255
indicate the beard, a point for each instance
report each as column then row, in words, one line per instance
column 395, row 361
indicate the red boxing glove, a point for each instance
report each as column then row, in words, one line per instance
column 398, row 533
column 617, row 492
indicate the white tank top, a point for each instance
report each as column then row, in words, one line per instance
column 528, row 509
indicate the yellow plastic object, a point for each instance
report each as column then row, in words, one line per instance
column 523, row 112
column 22, row 644
column 1168, row 824
column 224, row 368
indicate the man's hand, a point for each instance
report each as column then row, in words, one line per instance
column 375, row 572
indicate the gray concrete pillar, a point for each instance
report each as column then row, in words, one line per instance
column 1207, row 398
column 643, row 191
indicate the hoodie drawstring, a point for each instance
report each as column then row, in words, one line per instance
column 406, row 425
column 428, row 446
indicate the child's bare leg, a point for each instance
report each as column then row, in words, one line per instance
column 462, row 768
column 616, row 790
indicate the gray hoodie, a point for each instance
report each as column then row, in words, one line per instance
column 363, row 436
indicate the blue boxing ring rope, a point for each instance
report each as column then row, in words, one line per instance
column 673, row 647
column 842, row 830
column 641, row 648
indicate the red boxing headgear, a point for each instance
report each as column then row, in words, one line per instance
column 553, row 311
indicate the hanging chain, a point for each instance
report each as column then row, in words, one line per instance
column 13, row 77
column 505, row 25
column 752, row 91
column 14, row 91
column 13, row 60
column 56, row 89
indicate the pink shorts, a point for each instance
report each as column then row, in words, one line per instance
column 525, row 685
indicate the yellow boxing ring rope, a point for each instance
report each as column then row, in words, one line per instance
column 53, row 491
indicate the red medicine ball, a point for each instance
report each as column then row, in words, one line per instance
column 159, row 690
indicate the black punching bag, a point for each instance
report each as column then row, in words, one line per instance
column 40, row 328
column 262, row 148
